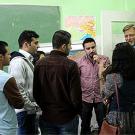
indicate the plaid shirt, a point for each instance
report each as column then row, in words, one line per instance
column 89, row 79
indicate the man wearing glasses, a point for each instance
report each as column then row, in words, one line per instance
column 129, row 33
column 90, row 84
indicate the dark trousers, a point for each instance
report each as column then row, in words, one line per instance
column 86, row 116
column 26, row 124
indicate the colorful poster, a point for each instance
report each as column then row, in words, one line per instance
column 81, row 27
column 74, row 55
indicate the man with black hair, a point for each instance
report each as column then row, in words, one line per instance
column 90, row 84
column 57, row 88
column 10, row 96
column 21, row 68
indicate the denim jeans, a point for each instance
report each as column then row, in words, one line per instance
column 70, row 128
column 26, row 124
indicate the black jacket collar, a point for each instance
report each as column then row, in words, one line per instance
column 15, row 54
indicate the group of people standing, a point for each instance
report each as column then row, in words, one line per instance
column 65, row 90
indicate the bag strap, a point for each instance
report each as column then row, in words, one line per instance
column 30, row 64
column 117, row 98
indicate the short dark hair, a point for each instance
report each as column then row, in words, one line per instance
column 3, row 46
column 26, row 36
column 59, row 38
column 123, row 60
column 37, row 56
column 88, row 40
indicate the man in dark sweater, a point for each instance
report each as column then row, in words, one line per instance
column 57, row 88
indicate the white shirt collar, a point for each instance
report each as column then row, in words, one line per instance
column 26, row 54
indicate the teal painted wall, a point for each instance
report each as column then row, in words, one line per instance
column 81, row 8
column 95, row 8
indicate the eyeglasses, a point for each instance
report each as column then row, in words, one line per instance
column 88, row 48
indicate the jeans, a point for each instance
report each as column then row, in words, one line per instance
column 69, row 128
column 87, row 115
column 26, row 124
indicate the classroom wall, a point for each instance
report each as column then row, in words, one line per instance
column 81, row 8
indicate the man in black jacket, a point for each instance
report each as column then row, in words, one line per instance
column 57, row 88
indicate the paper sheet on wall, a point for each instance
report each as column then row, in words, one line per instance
column 81, row 27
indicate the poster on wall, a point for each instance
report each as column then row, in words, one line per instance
column 81, row 27
column 74, row 55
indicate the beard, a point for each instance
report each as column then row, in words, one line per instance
column 91, row 54
column 132, row 43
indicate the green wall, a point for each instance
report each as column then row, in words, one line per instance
column 81, row 8
column 94, row 8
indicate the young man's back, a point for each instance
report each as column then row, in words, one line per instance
column 57, row 88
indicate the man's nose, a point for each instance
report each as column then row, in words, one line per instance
column 91, row 50
column 128, row 38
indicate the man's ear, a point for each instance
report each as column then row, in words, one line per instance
column 63, row 47
column 26, row 44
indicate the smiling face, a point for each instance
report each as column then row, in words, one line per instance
column 130, row 36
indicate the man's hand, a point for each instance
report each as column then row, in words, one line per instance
column 96, row 58
column 101, row 64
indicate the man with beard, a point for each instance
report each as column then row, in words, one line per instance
column 90, row 83
column 129, row 33
column 21, row 67
column 57, row 88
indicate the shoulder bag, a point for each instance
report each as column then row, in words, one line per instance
column 106, row 128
